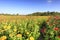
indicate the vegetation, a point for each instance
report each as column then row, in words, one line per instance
column 45, row 14
column 20, row 27
column 34, row 14
column 51, row 28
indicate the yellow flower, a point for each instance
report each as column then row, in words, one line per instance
column 27, row 32
column 3, row 38
column 15, row 30
column 19, row 35
column 11, row 35
column 6, row 27
column 31, row 38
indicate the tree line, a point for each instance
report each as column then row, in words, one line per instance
column 44, row 13
column 35, row 14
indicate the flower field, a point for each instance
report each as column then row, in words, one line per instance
column 29, row 27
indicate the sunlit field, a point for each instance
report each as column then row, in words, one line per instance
column 21, row 18
column 29, row 19
column 20, row 27
column 29, row 27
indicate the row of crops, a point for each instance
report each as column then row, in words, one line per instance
column 42, row 28
column 50, row 30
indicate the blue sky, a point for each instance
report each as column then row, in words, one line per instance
column 28, row 6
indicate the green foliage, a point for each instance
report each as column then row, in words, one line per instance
column 52, row 30
column 44, row 14
column 21, row 31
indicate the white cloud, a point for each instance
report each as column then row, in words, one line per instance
column 49, row 1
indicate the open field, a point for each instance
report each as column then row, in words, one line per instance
column 18, row 18
column 20, row 27
column 29, row 27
